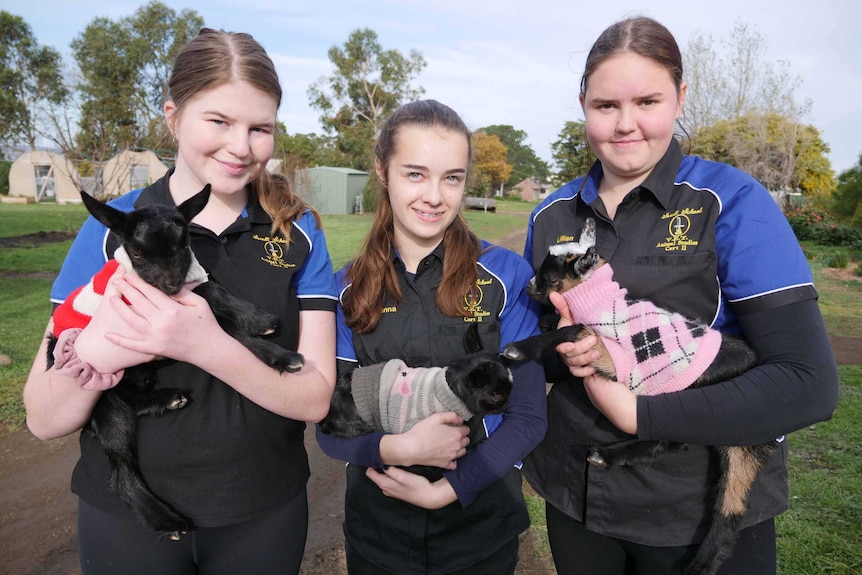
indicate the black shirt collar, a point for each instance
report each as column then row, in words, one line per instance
column 659, row 182
column 159, row 193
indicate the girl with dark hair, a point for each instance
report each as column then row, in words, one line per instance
column 702, row 239
column 420, row 280
column 233, row 460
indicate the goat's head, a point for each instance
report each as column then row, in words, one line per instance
column 566, row 265
column 156, row 238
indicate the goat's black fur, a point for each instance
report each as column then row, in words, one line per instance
column 739, row 465
column 480, row 379
column 156, row 239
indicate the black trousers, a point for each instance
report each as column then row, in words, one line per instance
column 577, row 551
column 503, row 562
column 269, row 545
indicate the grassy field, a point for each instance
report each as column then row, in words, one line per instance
column 821, row 534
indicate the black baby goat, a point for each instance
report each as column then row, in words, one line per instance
column 654, row 356
column 154, row 241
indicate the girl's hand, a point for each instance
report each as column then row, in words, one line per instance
column 615, row 400
column 438, row 440
column 96, row 348
column 412, row 488
column 577, row 355
column 164, row 326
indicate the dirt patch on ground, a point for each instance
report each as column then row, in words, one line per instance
column 843, row 274
column 37, row 239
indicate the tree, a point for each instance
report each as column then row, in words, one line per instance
column 571, row 153
column 301, row 151
column 30, row 77
column 489, row 169
column 783, row 155
column 124, row 67
column 367, row 84
column 524, row 161
column 847, row 198
column 724, row 87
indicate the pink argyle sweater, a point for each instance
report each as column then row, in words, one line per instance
column 653, row 350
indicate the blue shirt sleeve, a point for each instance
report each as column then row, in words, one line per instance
column 85, row 258
column 315, row 282
column 364, row 449
column 525, row 421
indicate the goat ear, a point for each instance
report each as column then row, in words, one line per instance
column 472, row 340
column 111, row 217
column 588, row 234
column 193, row 206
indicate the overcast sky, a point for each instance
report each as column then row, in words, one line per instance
column 513, row 62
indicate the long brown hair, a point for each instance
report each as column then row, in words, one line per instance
column 213, row 58
column 372, row 273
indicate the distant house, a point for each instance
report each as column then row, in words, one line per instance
column 37, row 176
column 129, row 171
column 530, row 190
column 331, row 190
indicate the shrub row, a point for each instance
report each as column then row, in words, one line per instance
column 818, row 226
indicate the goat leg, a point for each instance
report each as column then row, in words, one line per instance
column 114, row 424
column 246, row 323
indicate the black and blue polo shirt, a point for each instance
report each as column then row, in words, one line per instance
column 490, row 512
column 222, row 459
column 706, row 240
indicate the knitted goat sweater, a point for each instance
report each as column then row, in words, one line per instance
column 77, row 310
column 653, row 350
column 393, row 397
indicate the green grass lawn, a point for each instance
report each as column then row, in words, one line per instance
column 821, row 534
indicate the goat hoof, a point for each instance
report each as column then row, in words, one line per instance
column 175, row 536
column 178, row 402
column 290, row 362
column 597, row 460
column 513, row 353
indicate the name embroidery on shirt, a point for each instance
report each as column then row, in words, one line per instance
column 274, row 251
column 678, row 226
column 473, row 303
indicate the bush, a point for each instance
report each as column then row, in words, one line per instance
column 838, row 260
column 818, row 226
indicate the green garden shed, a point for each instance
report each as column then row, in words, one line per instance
column 331, row 191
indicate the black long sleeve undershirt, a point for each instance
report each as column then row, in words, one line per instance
column 795, row 385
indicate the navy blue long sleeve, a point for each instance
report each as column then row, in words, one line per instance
column 796, row 384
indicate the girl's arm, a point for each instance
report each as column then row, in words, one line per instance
column 56, row 405
column 183, row 327
column 795, row 385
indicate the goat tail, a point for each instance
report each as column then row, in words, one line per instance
column 740, row 467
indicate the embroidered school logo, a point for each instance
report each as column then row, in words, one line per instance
column 678, row 225
column 273, row 249
column 473, row 303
